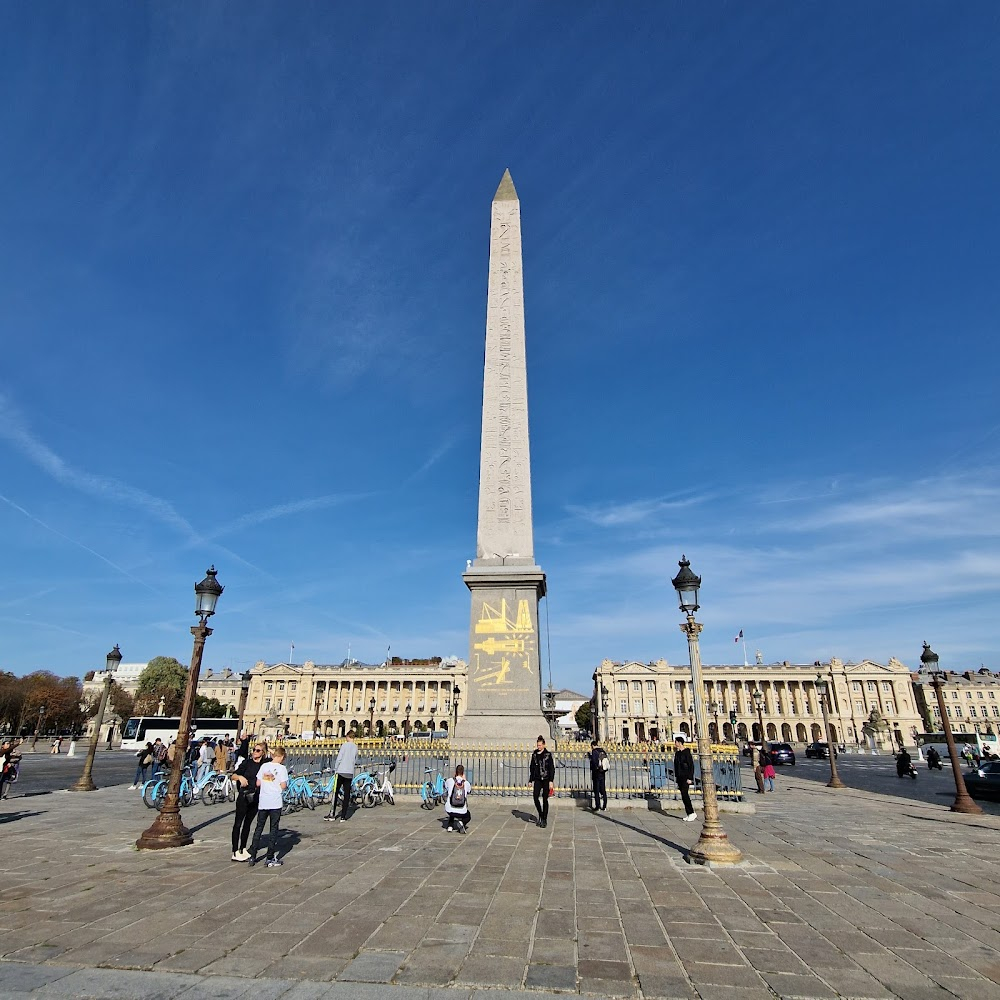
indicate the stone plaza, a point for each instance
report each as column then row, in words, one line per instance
column 841, row 894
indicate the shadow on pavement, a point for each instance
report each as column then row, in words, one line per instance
column 12, row 817
column 523, row 816
column 679, row 848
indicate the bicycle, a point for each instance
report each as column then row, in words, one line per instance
column 360, row 786
column 432, row 790
column 154, row 792
column 220, row 788
column 300, row 791
column 380, row 790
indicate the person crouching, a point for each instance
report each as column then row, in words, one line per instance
column 456, row 801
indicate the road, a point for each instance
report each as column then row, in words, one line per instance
column 877, row 774
column 44, row 772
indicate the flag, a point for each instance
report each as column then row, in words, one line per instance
column 740, row 636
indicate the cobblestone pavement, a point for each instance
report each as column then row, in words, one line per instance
column 842, row 894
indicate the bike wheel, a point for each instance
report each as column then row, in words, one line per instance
column 207, row 796
column 231, row 793
column 149, row 792
column 309, row 800
column 369, row 799
column 160, row 797
column 389, row 798
column 187, row 795
column 425, row 798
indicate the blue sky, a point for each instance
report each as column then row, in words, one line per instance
column 242, row 307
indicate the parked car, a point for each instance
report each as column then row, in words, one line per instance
column 750, row 748
column 983, row 782
column 781, row 753
column 819, row 750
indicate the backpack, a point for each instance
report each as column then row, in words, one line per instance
column 457, row 798
column 603, row 764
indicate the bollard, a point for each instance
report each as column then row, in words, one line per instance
column 72, row 749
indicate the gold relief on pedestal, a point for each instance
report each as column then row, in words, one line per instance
column 507, row 644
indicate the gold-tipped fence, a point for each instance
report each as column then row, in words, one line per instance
column 500, row 771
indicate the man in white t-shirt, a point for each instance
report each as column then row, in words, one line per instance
column 456, row 801
column 272, row 780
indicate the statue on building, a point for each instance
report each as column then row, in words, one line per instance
column 759, row 657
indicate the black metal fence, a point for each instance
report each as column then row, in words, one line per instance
column 502, row 772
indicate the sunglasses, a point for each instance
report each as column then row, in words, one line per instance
column 257, row 750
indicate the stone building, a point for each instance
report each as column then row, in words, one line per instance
column 409, row 695
column 971, row 701
column 636, row 702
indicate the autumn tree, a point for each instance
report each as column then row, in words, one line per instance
column 164, row 677
column 208, row 708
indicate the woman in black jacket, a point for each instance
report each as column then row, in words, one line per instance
column 542, row 772
column 245, row 779
column 684, row 775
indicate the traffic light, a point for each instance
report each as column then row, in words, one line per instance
column 732, row 716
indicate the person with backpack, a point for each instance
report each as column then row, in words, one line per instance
column 542, row 773
column 599, row 767
column 144, row 758
column 159, row 752
column 456, row 801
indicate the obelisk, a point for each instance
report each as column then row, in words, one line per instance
column 503, row 703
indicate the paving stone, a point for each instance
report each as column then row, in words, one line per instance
column 373, row 967
column 551, row 977
column 551, row 951
column 112, row 984
column 484, row 970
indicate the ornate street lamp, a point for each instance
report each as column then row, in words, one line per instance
column 716, row 708
column 371, row 718
column 168, row 830
column 406, row 723
column 244, row 694
column 823, row 689
column 713, row 846
column 456, row 692
column 86, row 781
column 604, row 705
column 963, row 801
column 758, row 700
column 38, row 726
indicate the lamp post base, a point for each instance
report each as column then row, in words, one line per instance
column 965, row 804
column 85, row 784
column 714, row 848
column 167, row 830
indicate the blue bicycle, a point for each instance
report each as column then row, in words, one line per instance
column 432, row 790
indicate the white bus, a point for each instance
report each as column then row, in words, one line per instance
column 978, row 741
column 143, row 729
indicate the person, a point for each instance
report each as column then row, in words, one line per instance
column 159, row 756
column 767, row 769
column 247, row 798
column 344, row 769
column 55, row 746
column 684, row 775
column 542, row 774
column 967, row 754
column 221, row 757
column 456, row 801
column 599, row 765
column 206, row 755
column 904, row 764
column 758, row 777
column 243, row 746
column 933, row 760
column 143, row 759
column 111, row 736
column 272, row 780
column 171, row 753
column 10, row 765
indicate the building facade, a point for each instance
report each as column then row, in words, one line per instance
column 971, row 701
column 870, row 704
column 384, row 699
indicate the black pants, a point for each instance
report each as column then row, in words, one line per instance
column 343, row 785
column 464, row 818
column 683, row 786
column 246, row 809
column 600, row 788
column 541, row 792
column 274, row 815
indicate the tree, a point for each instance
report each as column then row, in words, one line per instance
column 121, row 702
column 208, row 708
column 166, row 678
column 584, row 717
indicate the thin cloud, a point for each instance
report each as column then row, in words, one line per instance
column 15, row 432
column 73, row 541
column 286, row 510
column 434, row 458
column 631, row 512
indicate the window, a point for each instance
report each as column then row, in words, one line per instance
column 993, row 695
column 291, row 685
column 954, row 694
column 636, row 685
column 859, row 706
column 996, row 711
column 291, row 704
column 968, row 694
column 267, row 703
column 979, row 694
column 651, row 706
column 268, row 685
column 624, row 705
column 623, row 685
column 886, row 686
column 281, row 685
column 889, row 710
column 651, row 686
column 278, row 706
column 637, row 706
column 871, row 686
column 856, row 686
column 947, row 708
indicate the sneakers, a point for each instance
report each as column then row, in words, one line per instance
column 690, row 817
column 449, row 829
column 132, row 788
column 461, row 826
column 272, row 863
column 342, row 820
column 243, row 855
column 253, row 861
column 330, row 819
column 236, row 856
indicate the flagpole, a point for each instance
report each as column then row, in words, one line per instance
column 746, row 662
column 291, row 654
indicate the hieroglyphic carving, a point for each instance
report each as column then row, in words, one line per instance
column 505, row 478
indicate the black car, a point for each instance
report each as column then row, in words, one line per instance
column 819, row 750
column 983, row 782
column 781, row 753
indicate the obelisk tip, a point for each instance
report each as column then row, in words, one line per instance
column 506, row 190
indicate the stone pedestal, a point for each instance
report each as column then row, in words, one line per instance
column 504, row 691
